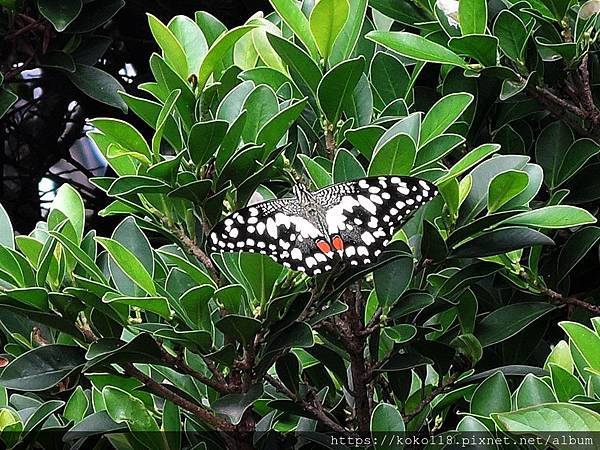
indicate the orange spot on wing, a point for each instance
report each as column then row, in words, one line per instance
column 338, row 243
column 324, row 246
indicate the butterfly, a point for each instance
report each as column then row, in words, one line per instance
column 311, row 231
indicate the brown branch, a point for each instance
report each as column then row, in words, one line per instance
column 560, row 108
column 315, row 408
column 586, row 92
column 195, row 250
column 373, row 324
column 553, row 295
column 218, row 383
column 330, row 142
column 432, row 395
column 158, row 389
column 355, row 346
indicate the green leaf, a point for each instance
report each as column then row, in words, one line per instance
column 7, row 100
column 337, row 85
column 233, row 406
column 149, row 111
column 469, row 160
column 561, row 356
column 392, row 280
column 557, row 216
column 482, row 47
column 559, row 417
column 533, row 391
column 191, row 40
column 69, row 202
column 261, row 105
column 317, row 173
column 171, row 48
column 550, row 149
column 500, row 241
column 472, row 15
column 400, row 334
column 241, row 328
column 327, row 20
column 124, row 134
column 443, row 114
column 261, row 272
column 93, row 16
column 275, row 129
column 217, row 51
column 576, row 157
column 124, row 407
column 395, row 157
column 156, row 305
column 558, row 8
column 129, row 264
column 288, row 371
column 585, row 340
column 61, row 13
column 565, row 385
column 386, row 419
column 303, row 70
column 80, row 256
column 346, row 167
column 574, row 250
column 407, row 13
column 204, row 140
column 491, row 396
column 348, row 37
column 359, row 105
column 416, row 47
column 365, row 139
column 389, row 77
column 41, row 414
column 133, row 184
column 507, row 321
column 77, row 406
column 42, row 368
column 436, row 149
column 7, row 235
column 504, row 187
column 294, row 18
column 98, row 85
column 512, row 34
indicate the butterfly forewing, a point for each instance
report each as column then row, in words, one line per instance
column 367, row 212
column 276, row 228
column 364, row 213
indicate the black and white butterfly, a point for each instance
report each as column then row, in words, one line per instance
column 307, row 232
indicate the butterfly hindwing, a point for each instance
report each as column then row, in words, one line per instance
column 367, row 212
column 277, row 228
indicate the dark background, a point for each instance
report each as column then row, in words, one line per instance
column 41, row 129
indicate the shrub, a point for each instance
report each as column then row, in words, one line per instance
column 146, row 331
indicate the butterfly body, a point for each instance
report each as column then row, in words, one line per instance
column 311, row 231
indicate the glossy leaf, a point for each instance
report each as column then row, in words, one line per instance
column 416, row 47
column 507, row 321
column 42, row 368
column 327, row 19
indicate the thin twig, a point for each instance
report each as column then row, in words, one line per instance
column 195, row 250
column 177, row 362
column 553, row 295
column 432, row 395
column 315, row 408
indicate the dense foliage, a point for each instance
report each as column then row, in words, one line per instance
column 471, row 319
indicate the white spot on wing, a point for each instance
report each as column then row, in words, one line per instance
column 296, row 254
column 272, row 228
